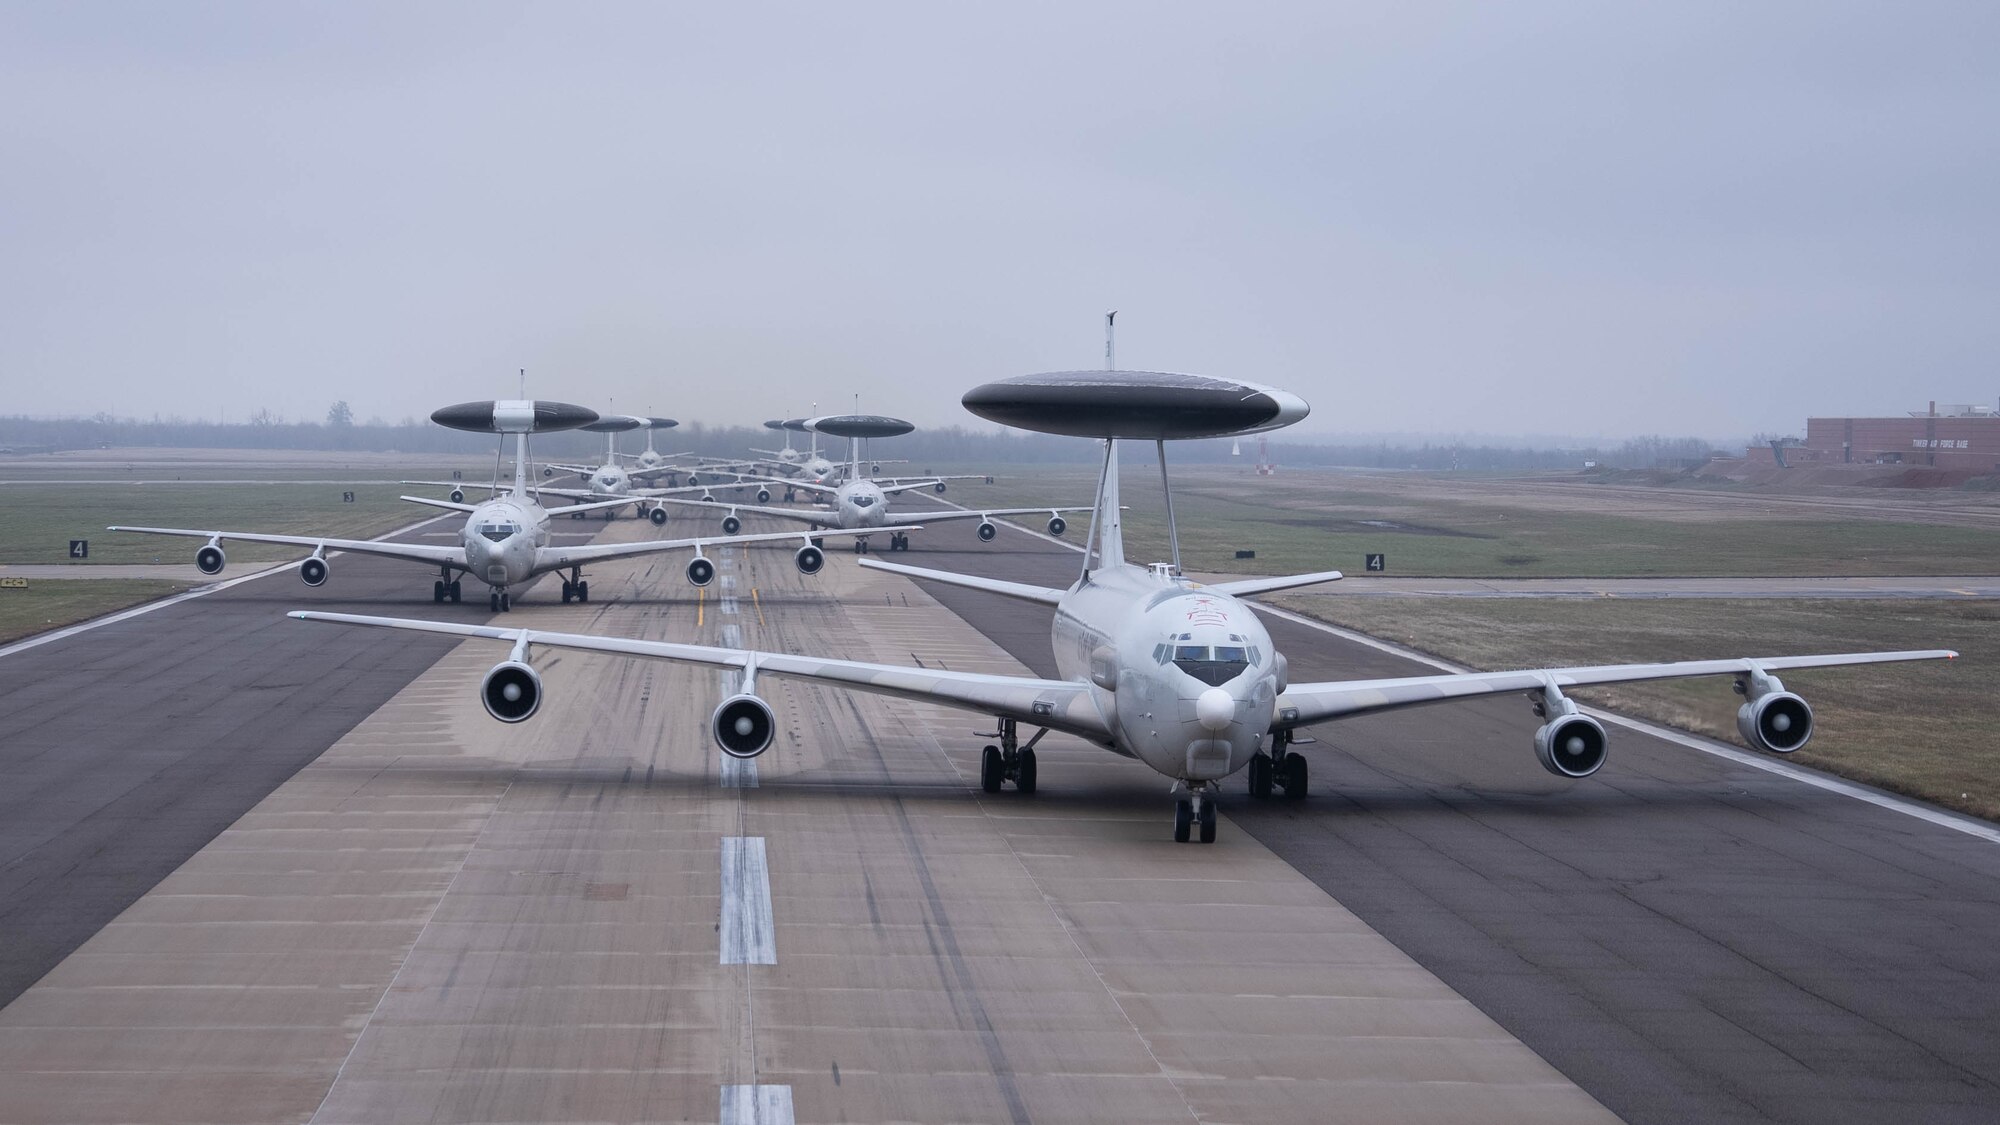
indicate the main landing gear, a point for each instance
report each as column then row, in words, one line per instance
column 445, row 589
column 575, row 587
column 1009, row 761
column 1282, row 769
column 899, row 542
column 498, row 601
column 861, row 545
column 1196, row 811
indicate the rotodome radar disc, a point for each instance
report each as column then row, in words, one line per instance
column 514, row 416
column 797, row 425
column 1145, row 405
column 860, row 425
column 661, row 423
column 775, row 424
column 613, row 424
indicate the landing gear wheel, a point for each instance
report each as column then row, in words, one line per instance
column 506, row 602
column 1183, row 820
column 437, row 591
column 454, row 591
column 493, row 602
column 1260, row 777
column 583, row 591
column 1207, row 822
column 1024, row 774
column 569, row 590
column 1293, row 777
column 991, row 770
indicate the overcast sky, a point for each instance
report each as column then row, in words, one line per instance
column 1585, row 219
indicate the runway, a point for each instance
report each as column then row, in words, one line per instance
column 588, row 917
column 443, row 918
column 1687, row 938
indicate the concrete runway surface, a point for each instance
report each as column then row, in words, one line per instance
column 444, row 918
column 590, row 917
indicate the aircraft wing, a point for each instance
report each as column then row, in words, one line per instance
column 1305, row 704
column 983, row 513
column 592, row 506
column 1243, row 587
column 460, row 484
column 822, row 516
column 556, row 558
column 1020, row 590
column 811, row 486
column 411, row 552
column 1057, row 704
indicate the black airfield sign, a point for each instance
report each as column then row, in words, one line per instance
column 1378, row 562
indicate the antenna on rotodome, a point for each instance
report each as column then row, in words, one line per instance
column 1110, row 341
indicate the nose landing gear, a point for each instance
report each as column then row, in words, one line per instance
column 1194, row 814
column 1008, row 761
column 499, row 602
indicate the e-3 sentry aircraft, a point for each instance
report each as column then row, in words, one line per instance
column 862, row 505
column 505, row 542
column 1178, row 675
column 609, row 481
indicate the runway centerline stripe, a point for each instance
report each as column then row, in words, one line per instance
column 748, row 936
column 756, row 1105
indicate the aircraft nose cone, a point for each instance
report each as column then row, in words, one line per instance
column 1215, row 710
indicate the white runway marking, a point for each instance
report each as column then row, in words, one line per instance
column 756, row 1105
column 728, row 605
column 747, row 926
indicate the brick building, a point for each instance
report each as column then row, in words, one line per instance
column 1950, row 437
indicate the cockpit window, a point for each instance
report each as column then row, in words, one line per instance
column 864, row 501
column 1212, row 666
column 498, row 532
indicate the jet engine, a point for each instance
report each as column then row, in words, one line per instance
column 809, row 559
column 313, row 571
column 1771, row 718
column 708, row 497
column 938, row 488
column 512, row 692
column 210, row 559
column 763, row 496
column 694, row 479
column 1571, row 743
column 743, row 726
column 1058, row 525
column 731, row 525
column 458, row 496
column 1571, row 746
column 987, row 531
column 700, row 572
column 658, row 516
column 548, row 470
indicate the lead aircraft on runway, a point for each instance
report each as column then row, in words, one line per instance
column 1179, row 675
column 860, row 504
column 505, row 540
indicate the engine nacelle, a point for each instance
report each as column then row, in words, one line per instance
column 1777, row 722
column 548, row 471
column 694, row 479
column 700, row 571
column 458, row 496
column 210, row 559
column 658, row 516
column 512, row 692
column 809, row 559
column 312, row 571
column 1571, row 746
column 987, row 531
column 731, row 525
column 708, row 497
column 938, row 488
column 763, row 496
column 1058, row 525
column 743, row 726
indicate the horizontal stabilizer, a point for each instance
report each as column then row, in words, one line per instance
column 1020, row 590
column 1244, row 587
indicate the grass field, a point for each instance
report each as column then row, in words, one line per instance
column 1931, row 730
column 1315, row 522
column 54, row 604
column 40, row 519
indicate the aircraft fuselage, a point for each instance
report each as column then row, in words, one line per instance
column 503, row 538
column 1194, row 677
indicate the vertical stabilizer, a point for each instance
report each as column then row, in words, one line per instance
column 1105, row 546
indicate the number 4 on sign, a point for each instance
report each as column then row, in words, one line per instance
column 1378, row 562
column 79, row 548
